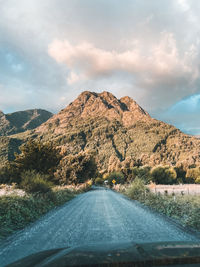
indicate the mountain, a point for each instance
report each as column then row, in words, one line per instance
column 18, row 123
column 21, row 121
column 118, row 132
column 92, row 105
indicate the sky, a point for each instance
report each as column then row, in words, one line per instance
column 52, row 50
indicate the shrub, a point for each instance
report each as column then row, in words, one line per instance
column 76, row 169
column 38, row 156
column 163, row 175
column 16, row 212
column 33, row 182
column 99, row 181
column 181, row 174
column 115, row 178
column 183, row 208
column 4, row 175
column 142, row 173
column 197, row 181
column 193, row 175
column 137, row 190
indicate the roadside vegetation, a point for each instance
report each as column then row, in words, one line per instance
column 50, row 176
column 183, row 208
column 32, row 184
column 17, row 211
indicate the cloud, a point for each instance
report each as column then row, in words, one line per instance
column 155, row 67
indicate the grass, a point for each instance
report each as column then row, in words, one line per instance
column 184, row 208
column 16, row 212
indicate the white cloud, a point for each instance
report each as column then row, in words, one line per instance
column 158, row 60
column 155, row 67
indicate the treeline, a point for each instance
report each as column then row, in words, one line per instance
column 39, row 166
column 157, row 175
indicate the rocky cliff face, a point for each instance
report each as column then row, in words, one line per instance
column 118, row 132
column 21, row 121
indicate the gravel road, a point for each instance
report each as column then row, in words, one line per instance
column 96, row 216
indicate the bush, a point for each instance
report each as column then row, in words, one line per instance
column 33, row 182
column 76, row 169
column 181, row 174
column 99, row 181
column 137, row 190
column 16, row 212
column 4, row 175
column 142, row 172
column 115, row 178
column 197, row 181
column 193, row 175
column 183, row 208
column 163, row 175
column 35, row 155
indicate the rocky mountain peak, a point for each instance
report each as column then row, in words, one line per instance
column 98, row 105
column 133, row 106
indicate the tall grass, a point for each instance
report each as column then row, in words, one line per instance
column 18, row 211
column 183, row 208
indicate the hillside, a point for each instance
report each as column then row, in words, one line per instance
column 22, row 121
column 118, row 132
column 18, row 123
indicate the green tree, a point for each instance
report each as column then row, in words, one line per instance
column 115, row 178
column 76, row 169
column 142, row 172
column 35, row 155
column 163, row 175
column 193, row 175
column 181, row 174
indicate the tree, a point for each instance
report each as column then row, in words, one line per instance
column 181, row 174
column 163, row 175
column 76, row 169
column 141, row 172
column 35, row 155
column 193, row 175
column 115, row 178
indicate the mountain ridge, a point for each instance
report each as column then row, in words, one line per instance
column 20, row 121
column 105, row 104
column 117, row 132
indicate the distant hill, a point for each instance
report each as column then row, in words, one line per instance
column 118, row 132
column 21, row 121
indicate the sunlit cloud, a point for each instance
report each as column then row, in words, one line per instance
column 159, row 61
column 159, row 68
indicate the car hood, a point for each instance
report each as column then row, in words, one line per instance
column 118, row 254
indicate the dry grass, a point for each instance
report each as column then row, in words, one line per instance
column 17, row 210
column 182, row 207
